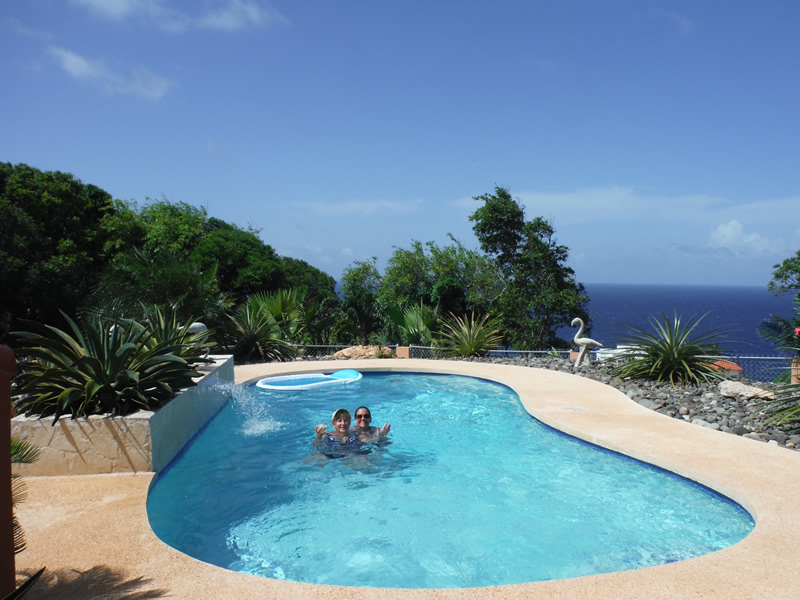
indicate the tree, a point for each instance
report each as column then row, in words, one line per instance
column 52, row 243
column 540, row 294
column 244, row 264
column 360, row 283
column 786, row 276
column 139, row 279
column 298, row 273
column 450, row 278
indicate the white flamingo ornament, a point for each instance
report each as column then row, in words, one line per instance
column 584, row 343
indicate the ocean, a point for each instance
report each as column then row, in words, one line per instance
column 735, row 310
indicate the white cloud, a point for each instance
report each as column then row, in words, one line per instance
column 20, row 28
column 223, row 15
column 684, row 24
column 238, row 14
column 140, row 82
column 732, row 236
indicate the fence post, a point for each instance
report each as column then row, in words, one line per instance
column 8, row 369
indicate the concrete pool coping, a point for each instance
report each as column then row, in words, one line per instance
column 93, row 532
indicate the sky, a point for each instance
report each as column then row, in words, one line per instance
column 660, row 138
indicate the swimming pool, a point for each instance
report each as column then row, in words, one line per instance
column 471, row 492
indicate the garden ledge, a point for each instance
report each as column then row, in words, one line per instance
column 139, row 442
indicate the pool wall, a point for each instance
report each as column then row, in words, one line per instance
column 142, row 441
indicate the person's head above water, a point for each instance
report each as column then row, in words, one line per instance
column 363, row 417
column 341, row 419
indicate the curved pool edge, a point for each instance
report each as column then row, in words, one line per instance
column 81, row 522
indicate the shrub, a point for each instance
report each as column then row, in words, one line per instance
column 469, row 336
column 784, row 333
column 258, row 334
column 106, row 368
column 670, row 353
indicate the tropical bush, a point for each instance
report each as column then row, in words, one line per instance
column 106, row 367
column 670, row 353
column 258, row 334
column 784, row 333
column 22, row 452
column 469, row 336
column 414, row 325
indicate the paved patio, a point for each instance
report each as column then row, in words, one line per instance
column 92, row 533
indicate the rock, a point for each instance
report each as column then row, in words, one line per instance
column 355, row 352
column 740, row 391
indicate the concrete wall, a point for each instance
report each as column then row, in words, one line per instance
column 142, row 441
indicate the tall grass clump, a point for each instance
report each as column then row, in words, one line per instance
column 672, row 352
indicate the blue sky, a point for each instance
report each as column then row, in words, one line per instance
column 662, row 139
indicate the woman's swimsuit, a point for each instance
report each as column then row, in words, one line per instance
column 333, row 447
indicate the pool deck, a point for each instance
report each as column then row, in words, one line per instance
column 92, row 532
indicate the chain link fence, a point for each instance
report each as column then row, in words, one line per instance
column 755, row 368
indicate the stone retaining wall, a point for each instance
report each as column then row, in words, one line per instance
column 142, row 441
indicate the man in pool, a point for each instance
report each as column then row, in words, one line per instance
column 342, row 440
column 367, row 433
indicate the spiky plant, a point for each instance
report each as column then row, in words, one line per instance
column 164, row 326
column 785, row 409
column 258, row 335
column 469, row 336
column 22, row 452
column 104, row 368
column 670, row 353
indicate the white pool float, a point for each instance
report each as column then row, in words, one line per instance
column 308, row 381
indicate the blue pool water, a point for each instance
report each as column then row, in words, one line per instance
column 470, row 492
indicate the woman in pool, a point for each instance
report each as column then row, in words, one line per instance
column 367, row 433
column 341, row 440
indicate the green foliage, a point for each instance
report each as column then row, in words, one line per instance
column 298, row 273
column 451, row 279
column 286, row 307
column 360, row 283
column 786, row 276
column 52, row 243
column 244, row 264
column 173, row 227
column 670, row 353
column 785, row 409
column 106, row 368
column 22, row 452
column 469, row 336
column 415, row 324
column 539, row 292
column 258, row 334
column 784, row 333
column 163, row 279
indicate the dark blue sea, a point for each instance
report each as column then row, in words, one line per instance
column 736, row 310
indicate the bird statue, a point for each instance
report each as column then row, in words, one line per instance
column 584, row 343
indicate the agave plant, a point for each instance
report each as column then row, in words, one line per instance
column 670, row 353
column 469, row 336
column 258, row 335
column 106, row 368
column 163, row 328
column 22, row 452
